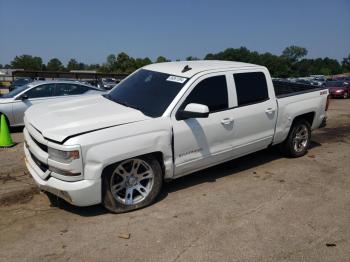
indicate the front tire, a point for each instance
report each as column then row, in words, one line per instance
column 131, row 184
column 298, row 140
column 346, row 95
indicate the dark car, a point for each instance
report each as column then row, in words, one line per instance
column 338, row 88
column 19, row 82
column 107, row 83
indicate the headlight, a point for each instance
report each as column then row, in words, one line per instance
column 63, row 156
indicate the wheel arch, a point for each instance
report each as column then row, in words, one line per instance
column 309, row 117
column 158, row 155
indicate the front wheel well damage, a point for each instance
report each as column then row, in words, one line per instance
column 157, row 155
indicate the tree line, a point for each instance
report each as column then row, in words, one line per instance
column 291, row 63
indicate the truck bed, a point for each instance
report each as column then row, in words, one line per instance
column 284, row 88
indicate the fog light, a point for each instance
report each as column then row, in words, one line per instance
column 63, row 172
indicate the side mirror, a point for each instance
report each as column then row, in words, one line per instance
column 24, row 97
column 193, row 111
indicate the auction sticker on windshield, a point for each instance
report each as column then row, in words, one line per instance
column 177, row 79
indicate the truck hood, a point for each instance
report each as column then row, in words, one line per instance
column 61, row 120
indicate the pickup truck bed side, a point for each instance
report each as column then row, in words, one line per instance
column 290, row 107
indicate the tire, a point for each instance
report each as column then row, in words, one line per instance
column 298, row 140
column 131, row 184
column 346, row 95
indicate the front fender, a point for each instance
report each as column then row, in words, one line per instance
column 155, row 137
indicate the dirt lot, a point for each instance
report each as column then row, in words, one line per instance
column 262, row 207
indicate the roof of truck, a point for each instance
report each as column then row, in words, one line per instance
column 177, row 68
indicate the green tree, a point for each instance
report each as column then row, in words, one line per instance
column 294, row 53
column 72, row 65
column 55, row 65
column 161, row 59
column 192, row 58
column 0, row 66
column 140, row 62
column 125, row 63
column 27, row 62
column 111, row 62
column 346, row 64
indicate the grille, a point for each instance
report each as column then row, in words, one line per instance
column 40, row 164
column 42, row 146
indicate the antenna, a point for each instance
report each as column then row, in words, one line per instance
column 186, row 68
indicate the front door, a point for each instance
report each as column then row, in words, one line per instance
column 199, row 142
column 36, row 95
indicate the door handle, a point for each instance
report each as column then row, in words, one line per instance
column 269, row 110
column 227, row 121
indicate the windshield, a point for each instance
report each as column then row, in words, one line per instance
column 148, row 91
column 16, row 91
column 20, row 82
column 334, row 83
column 108, row 80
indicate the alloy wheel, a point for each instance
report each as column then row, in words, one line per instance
column 301, row 138
column 132, row 181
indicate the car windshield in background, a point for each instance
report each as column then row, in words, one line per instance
column 109, row 80
column 148, row 91
column 15, row 92
column 334, row 83
column 20, row 82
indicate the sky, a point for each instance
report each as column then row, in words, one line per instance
column 91, row 30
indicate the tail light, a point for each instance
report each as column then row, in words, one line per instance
column 328, row 100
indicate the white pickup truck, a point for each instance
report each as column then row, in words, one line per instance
column 164, row 121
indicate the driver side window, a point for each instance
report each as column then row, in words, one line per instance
column 45, row 90
column 211, row 92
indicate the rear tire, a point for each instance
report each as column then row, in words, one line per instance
column 131, row 184
column 298, row 140
column 346, row 95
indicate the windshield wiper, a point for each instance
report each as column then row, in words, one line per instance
column 108, row 96
column 128, row 105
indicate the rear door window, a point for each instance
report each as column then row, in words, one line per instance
column 251, row 88
column 65, row 89
column 211, row 92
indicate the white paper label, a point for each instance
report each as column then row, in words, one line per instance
column 177, row 79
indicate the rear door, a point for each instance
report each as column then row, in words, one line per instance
column 200, row 142
column 255, row 113
column 70, row 89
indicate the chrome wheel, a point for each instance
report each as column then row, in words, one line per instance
column 301, row 138
column 132, row 181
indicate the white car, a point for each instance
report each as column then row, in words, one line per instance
column 16, row 102
column 162, row 122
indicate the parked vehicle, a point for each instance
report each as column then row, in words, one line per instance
column 162, row 122
column 338, row 89
column 19, row 82
column 107, row 83
column 14, row 104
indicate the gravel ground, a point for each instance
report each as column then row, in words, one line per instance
column 262, row 207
